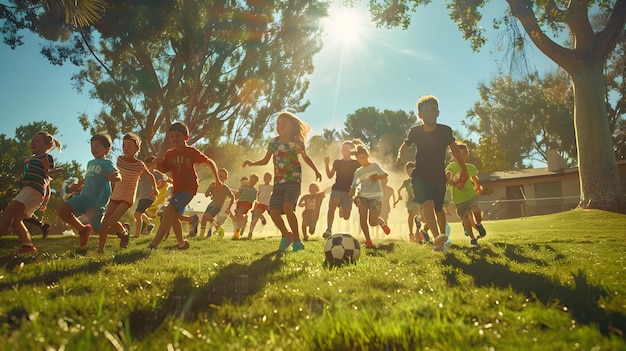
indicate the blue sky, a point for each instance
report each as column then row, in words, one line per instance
column 387, row 69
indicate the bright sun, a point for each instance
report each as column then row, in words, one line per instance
column 345, row 26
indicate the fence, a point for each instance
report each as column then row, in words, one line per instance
column 503, row 208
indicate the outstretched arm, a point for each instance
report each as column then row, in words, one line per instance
column 330, row 170
column 260, row 162
column 308, row 161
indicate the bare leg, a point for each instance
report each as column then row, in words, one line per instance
column 363, row 212
column 278, row 222
column 292, row 219
column 429, row 217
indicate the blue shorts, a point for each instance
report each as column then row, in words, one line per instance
column 212, row 210
column 345, row 200
column 83, row 207
column 180, row 201
column 285, row 192
column 425, row 190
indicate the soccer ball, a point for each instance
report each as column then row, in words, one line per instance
column 341, row 248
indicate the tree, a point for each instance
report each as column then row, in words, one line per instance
column 584, row 61
column 382, row 132
column 225, row 68
column 525, row 117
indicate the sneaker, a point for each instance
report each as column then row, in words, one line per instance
column 448, row 229
column 474, row 242
column 368, row 243
column 126, row 226
column 45, row 228
column 237, row 234
column 220, row 232
column 440, row 240
column 209, row 233
column 185, row 246
column 26, row 249
column 297, row 246
column 327, row 234
column 284, row 243
column 263, row 221
column 386, row 229
column 124, row 238
column 149, row 228
column 481, row 230
column 84, row 236
column 426, row 236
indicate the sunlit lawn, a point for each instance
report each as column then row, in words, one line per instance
column 553, row 282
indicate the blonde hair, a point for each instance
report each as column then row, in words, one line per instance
column 299, row 129
column 428, row 99
column 51, row 141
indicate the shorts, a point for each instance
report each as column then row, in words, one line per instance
column 425, row 190
column 82, row 207
column 285, row 192
column 310, row 221
column 117, row 202
column 412, row 206
column 30, row 198
column 212, row 210
column 372, row 204
column 245, row 205
column 345, row 200
column 180, row 201
column 143, row 204
column 465, row 208
column 260, row 207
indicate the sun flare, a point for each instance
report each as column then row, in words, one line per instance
column 345, row 26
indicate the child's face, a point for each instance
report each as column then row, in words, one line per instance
column 363, row 159
column 253, row 180
column 313, row 189
column 222, row 176
column 177, row 139
column 129, row 148
column 38, row 145
column 429, row 113
column 267, row 178
column 346, row 150
column 283, row 127
column 98, row 150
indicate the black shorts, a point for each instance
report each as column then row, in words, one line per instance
column 425, row 190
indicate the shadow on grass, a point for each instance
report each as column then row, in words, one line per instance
column 233, row 284
column 582, row 300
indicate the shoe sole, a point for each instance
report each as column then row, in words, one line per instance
column 440, row 240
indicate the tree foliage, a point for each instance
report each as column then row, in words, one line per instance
column 584, row 60
column 382, row 132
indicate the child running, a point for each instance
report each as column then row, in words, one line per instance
column 262, row 202
column 180, row 160
column 465, row 197
column 285, row 149
column 123, row 195
column 245, row 199
column 34, row 189
column 412, row 207
column 96, row 191
column 146, row 196
column 340, row 197
column 370, row 194
column 312, row 202
column 218, row 204
column 429, row 179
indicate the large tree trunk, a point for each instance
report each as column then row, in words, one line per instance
column 600, row 186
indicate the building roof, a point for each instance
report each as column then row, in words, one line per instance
column 530, row 173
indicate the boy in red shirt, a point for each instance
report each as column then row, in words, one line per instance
column 180, row 160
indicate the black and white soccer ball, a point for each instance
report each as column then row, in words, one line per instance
column 341, row 248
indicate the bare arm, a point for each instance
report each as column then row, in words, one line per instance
column 330, row 171
column 308, row 161
column 459, row 159
column 260, row 162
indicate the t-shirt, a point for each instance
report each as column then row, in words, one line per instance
column 344, row 173
column 125, row 189
column 97, row 189
column 287, row 166
column 144, row 188
column 408, row 185
column 181, row 164
column 265, row 193
column 220, row 194
column 431, row 151
column 35, row 174
column 369, row 190
column 460, row 196
column 247, row 194
column 312, row 205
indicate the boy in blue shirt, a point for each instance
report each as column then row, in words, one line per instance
column 95, row 193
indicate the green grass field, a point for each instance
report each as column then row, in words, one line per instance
column 554, row 282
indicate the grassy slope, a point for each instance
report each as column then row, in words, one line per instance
column 555, row 281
